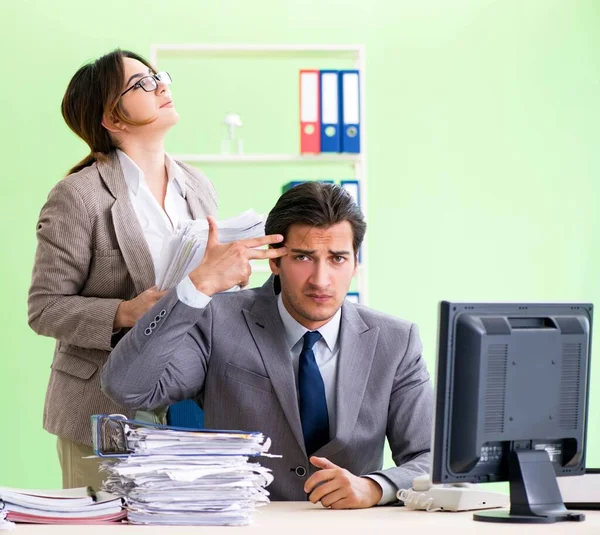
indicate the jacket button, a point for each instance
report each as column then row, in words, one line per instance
column 163, row 313
column 300, row 471
column 156, row 319
column 153, row 325
column 148, row 331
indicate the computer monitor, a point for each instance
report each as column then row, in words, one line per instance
column 511, row 401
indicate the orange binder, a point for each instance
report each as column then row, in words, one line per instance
column 310, row 111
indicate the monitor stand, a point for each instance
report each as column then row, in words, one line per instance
column 534, row 493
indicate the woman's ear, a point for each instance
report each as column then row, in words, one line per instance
column 112, row 123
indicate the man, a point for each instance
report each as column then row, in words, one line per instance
column 325, row 379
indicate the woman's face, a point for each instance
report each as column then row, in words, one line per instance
column 141, row 105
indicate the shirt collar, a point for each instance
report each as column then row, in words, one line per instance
column 174, row 172
column 134, row 175
column 294, row 331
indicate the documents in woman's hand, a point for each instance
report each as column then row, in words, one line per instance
column 173, row 476
column 183, row 250
column 68, row 506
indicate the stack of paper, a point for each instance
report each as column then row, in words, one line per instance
column 175, row 477
column 183, row 250
column 68, row 506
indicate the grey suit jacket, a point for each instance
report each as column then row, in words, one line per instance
column 91, row 255
column 233, row 357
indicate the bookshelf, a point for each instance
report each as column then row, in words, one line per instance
column 268, row 158
column 358, row 162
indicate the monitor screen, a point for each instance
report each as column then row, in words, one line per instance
column 511, row 399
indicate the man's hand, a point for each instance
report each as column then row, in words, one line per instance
column 337, row 488
column 129, row 312
column 228, row 264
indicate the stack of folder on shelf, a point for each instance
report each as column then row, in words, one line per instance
column 175, row 476
column 69, row 506
column 329, row 111
column 184, row 249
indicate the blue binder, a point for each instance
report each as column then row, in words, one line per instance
column 109, row 435
column 353, row 297
column 330, row 111
column 353, row 188
column 350, row 110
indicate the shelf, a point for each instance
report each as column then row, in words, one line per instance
column 239, row 50
column 269, row 158
column 354, row 53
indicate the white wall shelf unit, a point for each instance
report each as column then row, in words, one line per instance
column 354, row 53
column 269, row 158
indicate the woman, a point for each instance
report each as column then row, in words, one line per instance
column 99, row 239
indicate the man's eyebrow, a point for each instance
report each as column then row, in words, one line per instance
column 138, row 75
column 312, row 251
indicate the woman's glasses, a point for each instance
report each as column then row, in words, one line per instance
column 150, row 83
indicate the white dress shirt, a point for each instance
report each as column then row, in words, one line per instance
column 326, row 350
column 156, row 223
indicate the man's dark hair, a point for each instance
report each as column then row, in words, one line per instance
column 317, row 204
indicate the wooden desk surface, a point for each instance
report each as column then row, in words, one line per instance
column 303, row 518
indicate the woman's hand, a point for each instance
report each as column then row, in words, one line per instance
column 131, row 311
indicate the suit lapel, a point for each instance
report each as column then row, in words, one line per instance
column 266, row 328
column 196, row 198
column 357, row 350
column 127, row 227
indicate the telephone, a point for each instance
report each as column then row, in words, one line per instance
column 426, row 496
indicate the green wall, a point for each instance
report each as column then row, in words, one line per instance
column 483, row 124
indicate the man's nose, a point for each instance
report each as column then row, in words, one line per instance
column 320, row 275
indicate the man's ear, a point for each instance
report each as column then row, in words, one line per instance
column 274, row 265
column 112, row 123
column 355, row 264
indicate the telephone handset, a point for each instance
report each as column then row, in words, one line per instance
column 424, row 495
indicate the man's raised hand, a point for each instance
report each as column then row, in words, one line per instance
column 228, row 264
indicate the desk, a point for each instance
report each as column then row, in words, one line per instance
column 304, row 518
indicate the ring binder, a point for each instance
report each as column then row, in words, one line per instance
column 110, row 434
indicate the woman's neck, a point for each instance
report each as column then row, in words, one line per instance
column 150, row 158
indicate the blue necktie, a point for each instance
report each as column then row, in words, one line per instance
column 313, row 404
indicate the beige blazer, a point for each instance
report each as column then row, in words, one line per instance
column 91, row 255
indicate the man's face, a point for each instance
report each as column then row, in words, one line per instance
column 316, row 273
